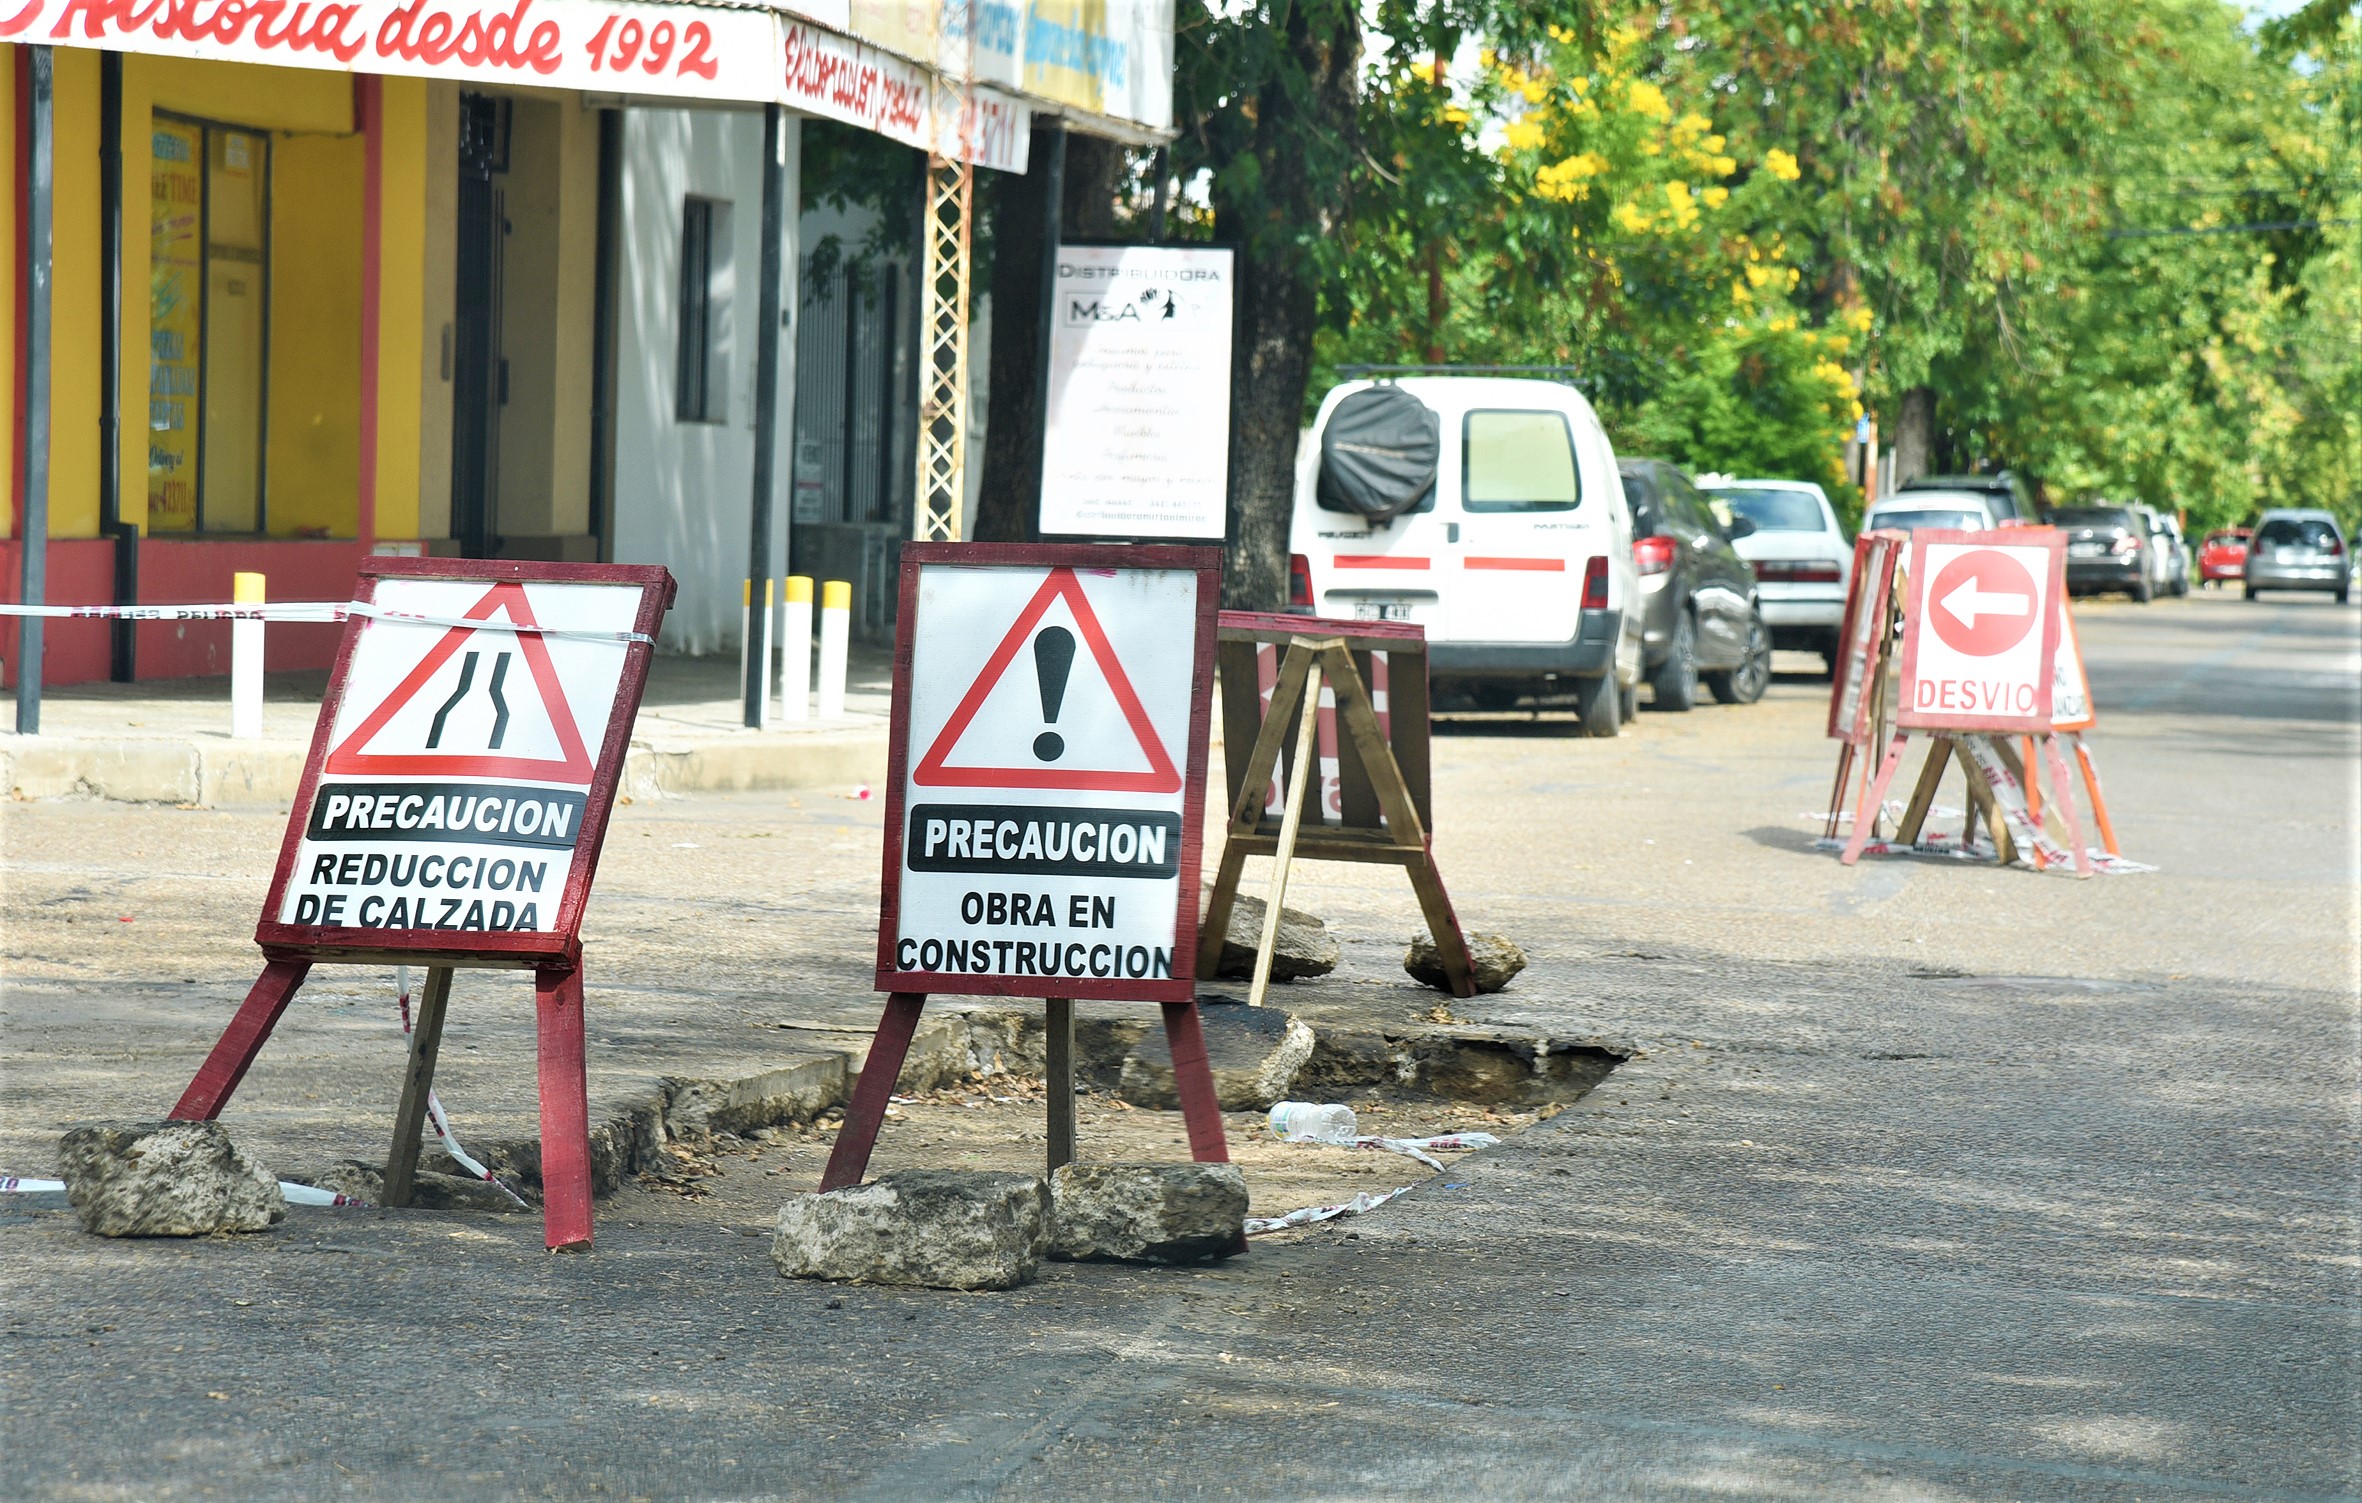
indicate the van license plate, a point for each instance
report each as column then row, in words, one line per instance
column 1383, row 610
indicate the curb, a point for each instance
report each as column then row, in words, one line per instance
column 1518, row 1068
column 219, row 771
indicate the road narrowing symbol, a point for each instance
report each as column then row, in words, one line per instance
column 458, row 778
column 487, row 723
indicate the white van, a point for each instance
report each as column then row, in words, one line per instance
column 1489, row 511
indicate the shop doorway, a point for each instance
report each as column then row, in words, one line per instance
column 479, row 373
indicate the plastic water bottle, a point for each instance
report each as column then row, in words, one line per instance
column 1307, row 1122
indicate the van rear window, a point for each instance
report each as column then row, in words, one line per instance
column 1518, row 461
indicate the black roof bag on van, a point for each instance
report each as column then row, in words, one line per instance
column 1378, row 454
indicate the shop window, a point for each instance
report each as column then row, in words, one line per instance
column 208, row 326
column 702, row 374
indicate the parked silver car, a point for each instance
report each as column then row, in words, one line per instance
column 2299, row 550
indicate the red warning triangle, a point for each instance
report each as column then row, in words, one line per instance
column 1160, row 777
column 574, row 766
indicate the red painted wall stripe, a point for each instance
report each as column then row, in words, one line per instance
column 1377, row 561
column 1521, row 565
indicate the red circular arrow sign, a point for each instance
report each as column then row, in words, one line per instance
column 1982, row 603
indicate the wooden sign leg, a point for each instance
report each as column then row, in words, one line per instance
column 1291, row 819
column 565, row 1110
column 1247, row 813
column 426, row 1039
column 1923, row 797
column 1987, row 805
column 2062, row 788
column 2099, row 804
column 217, row 1079
column 1845, row 768
column 2033, row 783
column 2025, row 773
column 1357, row 719
column 1874, row 799
column 866, row 1112
column 1059, row 1066
column 1216, row 929
column 1193, row 1082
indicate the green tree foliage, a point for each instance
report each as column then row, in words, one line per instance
column 2116, row 240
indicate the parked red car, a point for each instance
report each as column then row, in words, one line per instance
column 2223, row 556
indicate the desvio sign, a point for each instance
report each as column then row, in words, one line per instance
column 1981, row 629
column 668, row 49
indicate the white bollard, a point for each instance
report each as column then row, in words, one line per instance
column 795, row 650
column 836, row 636
column 246, row 661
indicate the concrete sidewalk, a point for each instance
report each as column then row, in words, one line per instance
column 169, row 742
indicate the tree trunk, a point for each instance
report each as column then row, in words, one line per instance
column 1278, row 292
column 1095, row 173
column 1915, row 433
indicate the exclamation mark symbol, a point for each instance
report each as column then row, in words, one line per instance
column 1053, row 657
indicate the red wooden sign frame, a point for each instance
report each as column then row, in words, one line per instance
column 1206, row 563
column 555, row 956
column 1915, row 606
column 440, row 946
column 1875, row 555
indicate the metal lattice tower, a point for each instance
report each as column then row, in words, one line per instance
column 943, row 396
column 943, row 293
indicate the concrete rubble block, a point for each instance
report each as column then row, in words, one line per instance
column 165, row 1179
column 797, row 1092
column 1147, row 1213
column 1303, row 948
column 1255, row 1053
column 1493, row 957
column 938, row 1228
column 429, row 1191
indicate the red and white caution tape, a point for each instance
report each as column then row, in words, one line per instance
column 434, row 1106
column 320, row 612
column 294, row 1194
column 2022, row 827
column 1259, row 1225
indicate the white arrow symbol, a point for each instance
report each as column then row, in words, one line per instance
column 1968, row 602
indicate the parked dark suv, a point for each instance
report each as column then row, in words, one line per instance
column 2107, row 549
column 2005, row 492
column 1701, row 618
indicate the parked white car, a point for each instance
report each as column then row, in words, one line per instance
column 1938, row 511
column 1802, row 559
column 1488, row 510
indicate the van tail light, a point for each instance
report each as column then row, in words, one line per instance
column 1299, row 581
column 1595, row 584
column 1653, row 555
column 2125, row 544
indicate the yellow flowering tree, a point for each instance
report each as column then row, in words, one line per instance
column 1548, row 203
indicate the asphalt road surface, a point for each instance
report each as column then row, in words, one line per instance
column 1925, row 1180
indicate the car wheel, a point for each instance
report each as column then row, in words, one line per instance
column 1628, row 701
column 1599, row 705
column 1745, row 684
column 2144, row 592
column 2250, row 592
column 1675, row 685
column 2344, row 593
